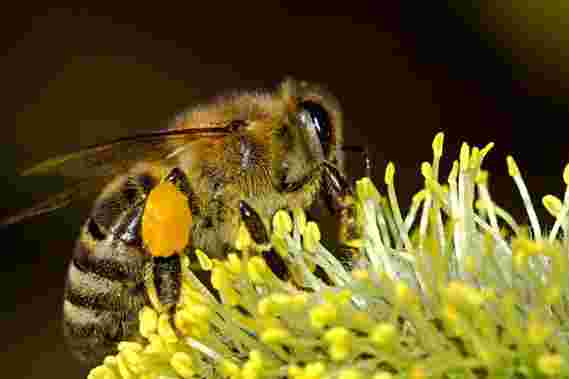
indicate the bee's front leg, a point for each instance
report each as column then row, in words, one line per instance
column 341, row 201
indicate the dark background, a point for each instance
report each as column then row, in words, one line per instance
column 74, row 77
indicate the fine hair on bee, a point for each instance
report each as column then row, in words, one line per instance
column 238, row 159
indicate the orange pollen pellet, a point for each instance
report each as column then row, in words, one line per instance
column 167, row 221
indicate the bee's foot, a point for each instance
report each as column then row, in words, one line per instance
column 349, row 255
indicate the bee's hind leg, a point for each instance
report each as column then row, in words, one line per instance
column 341, row 201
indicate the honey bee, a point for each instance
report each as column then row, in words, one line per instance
column 238, row 159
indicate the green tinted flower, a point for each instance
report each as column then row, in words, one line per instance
column 451, row 288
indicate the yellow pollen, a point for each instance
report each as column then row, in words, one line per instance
column 167, row 221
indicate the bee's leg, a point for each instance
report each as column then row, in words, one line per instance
column 363, row 150
column 260, row 236
column 162, row 275
column 167, row 273
column 162, row 282
column 253, row 223
column 180, row 180
column 340, row 200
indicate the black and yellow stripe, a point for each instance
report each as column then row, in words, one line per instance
column 106, row 278
column 104, row 293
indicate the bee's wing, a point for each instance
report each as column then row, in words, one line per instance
column 109, row 158
column 84, row 171
column 52, row 203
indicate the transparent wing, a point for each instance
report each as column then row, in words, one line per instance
column 85, row 171
column 109, row 158
column 51, row 203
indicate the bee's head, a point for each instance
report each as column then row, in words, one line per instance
column 311, row 132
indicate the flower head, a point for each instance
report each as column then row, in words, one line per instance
column 453, row 287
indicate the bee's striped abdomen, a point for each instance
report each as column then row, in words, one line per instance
column 106, row 283
column 103, row 295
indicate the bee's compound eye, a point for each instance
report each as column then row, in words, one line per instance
column 167, row 221
column 318, row 118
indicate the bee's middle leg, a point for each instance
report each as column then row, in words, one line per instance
column 260, row 236
column 253, row 223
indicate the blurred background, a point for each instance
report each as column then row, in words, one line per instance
column 402, row 71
